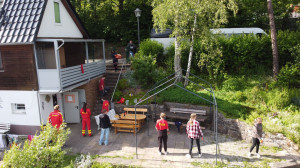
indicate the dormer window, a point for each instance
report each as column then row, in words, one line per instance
column 56, row 12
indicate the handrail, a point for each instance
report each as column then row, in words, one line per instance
column 117, row 82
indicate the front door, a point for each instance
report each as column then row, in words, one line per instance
column 71, row 107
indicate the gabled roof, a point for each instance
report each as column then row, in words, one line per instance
column 20, row 20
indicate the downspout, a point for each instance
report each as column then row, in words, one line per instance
column 38, row 95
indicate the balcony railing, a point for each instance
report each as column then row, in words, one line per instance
column 73, row 75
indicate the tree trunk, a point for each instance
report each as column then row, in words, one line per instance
column 186, row 82
column 273, row 39
column 121, row 5
column 177, row 59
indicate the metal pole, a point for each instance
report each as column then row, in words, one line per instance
column 138, row 20
column 135, row 133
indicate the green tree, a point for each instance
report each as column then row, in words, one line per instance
column 253, row 13
column 189, row 19
column 43, row 151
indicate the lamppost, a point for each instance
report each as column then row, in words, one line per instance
column 138, row 15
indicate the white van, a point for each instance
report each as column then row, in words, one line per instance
column 237, row 31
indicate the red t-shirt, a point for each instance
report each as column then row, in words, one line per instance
column 85, row 114
column 105, row 105
column 101, row 85
column 161, row 125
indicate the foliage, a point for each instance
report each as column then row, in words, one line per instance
column 43, row 151
column 254, row 15
column 128, row 75
column 146, row 71
column 151, row 47
column 83, row 161
column 114, row 20
column 169, row 58
column 118, row 95
column 123, row 84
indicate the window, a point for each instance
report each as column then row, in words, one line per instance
column 18, row 108
column 1, row 65
column 56, row 12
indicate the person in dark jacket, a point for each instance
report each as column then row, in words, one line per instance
column 115, row 60
column 131, row 48
column 105, row 127
column 256, row 137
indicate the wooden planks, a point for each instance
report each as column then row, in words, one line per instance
column 143, row 110
column 125, row 126
column 184, row 110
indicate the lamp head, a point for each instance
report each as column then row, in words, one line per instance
column 138, row 12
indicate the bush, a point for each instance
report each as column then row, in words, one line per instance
column 123, row 84
column 144, row 70
column 289, row 76
column 43, row 151
column 151, row 47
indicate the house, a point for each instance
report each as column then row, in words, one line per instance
column 46, row 58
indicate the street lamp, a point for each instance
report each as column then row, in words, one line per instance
column 138, row 13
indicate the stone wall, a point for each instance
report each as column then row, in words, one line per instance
column 241, row 130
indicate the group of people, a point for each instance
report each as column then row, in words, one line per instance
column 194, row 133
column 130, row 48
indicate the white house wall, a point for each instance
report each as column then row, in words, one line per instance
column 29, row 98
column 46, row 106
column 66, row 29
column 165, row 41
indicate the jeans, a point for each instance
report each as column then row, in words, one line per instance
column 162, row 138
column 131, row 54
column 106, row 132
column 255, row 142
column 191, row 146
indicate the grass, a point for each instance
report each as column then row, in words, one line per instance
column 246, row 99
column 273, row 149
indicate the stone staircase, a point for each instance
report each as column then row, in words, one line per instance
column 110, row 81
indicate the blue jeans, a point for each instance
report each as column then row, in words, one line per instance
column 106, row 132
column 131, row 54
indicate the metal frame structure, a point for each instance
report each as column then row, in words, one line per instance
column 172, row 80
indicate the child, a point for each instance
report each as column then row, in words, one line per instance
column 163, row 129
column 193, row 131
column 257, row 136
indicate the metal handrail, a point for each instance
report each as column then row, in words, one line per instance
column 117, row 82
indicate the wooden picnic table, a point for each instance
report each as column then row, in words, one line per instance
column 127, row 123
column 139, row 117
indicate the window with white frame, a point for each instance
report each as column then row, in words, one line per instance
column 57, row 12
column 18, row 108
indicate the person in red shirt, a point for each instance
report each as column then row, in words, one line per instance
column 55, row 118
column 86, row 119
column 163, row 130
column 102, row 88
column 193, row 131
column 105, row 105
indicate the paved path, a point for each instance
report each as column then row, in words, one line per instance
column 121, row 150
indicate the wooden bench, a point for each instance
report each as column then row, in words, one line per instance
column 4, row 127
column 125, row 126
column 189, row 111
column 143, row 110
column 182, row 126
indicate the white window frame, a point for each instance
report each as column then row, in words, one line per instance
column 59, row 11
column 18, row 108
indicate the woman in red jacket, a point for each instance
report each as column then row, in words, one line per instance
column 86, row 119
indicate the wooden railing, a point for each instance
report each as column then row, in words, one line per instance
column 73, row 75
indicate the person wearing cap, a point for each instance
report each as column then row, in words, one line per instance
column 55, row 118
column 162, row 130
